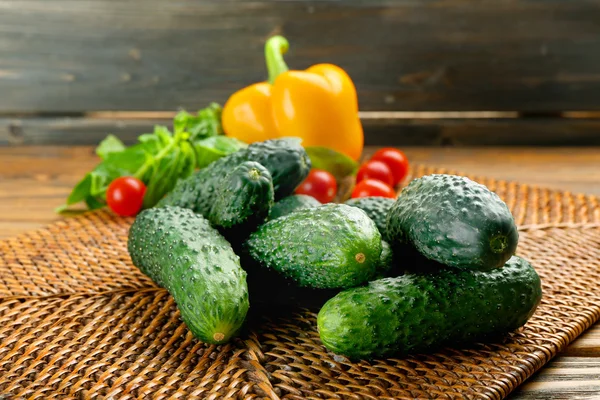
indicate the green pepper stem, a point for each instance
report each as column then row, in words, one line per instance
column 275, row 48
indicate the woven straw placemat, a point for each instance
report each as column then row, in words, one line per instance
column 77, row 320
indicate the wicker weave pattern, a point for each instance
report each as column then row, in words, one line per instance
column 77, row 320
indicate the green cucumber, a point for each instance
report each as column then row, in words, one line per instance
column 243, row 200
column 292, row 203
column 181, row 252
column 420, row 312
column 454, row 221
column 377, row 208
column 387, row 265
column 285, row 159
column 330, row 246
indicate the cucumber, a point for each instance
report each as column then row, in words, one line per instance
column 285, row 159
column 377, row 209
column 181, row 252
column 387, row 265
column 454, row 221
column 292, row 203
column 327, row 247
column 243, row 200
column 420, row 312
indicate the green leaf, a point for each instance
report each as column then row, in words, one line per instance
column 180, row 122
column 164, row 134
column 147, row 137
column 126, row 162
column 215, row 147
column 340, row 165
column 176, row 164
column 81, row 190
column 188, row 164
column 205, row 124
column 93, row 203
column 110, row 144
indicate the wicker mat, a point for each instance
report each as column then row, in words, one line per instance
column 77, row 320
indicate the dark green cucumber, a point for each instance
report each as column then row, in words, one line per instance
column 292, row 203
column 181, row 252
column 453, row 220
column 377, row 208
column 327, row 247
column 285, row 159
column 387, row 265
column 243, row 200
column 422, row 312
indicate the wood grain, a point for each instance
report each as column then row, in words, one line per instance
column 525, row 55
column 564, row 378
column 35, row 179
column 378, row 132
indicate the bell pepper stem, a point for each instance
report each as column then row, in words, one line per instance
column 275, row 48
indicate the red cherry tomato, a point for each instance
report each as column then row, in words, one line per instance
column 319, row 184
column 396, row 160
column 372, row 187
column 377, row 170
column 125, row 196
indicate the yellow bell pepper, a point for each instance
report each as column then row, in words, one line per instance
column 318, row 105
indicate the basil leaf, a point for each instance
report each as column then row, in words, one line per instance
column 164, row 135
column 215, row 147
column 101, row 178
column 93, row 203
column 147, row 137
column 110, row 144
column 126, row 162
column 81, row 190
column 188, row 160
column 206, row 124
column 340, row 165
column 177, row 164
column 181, row 120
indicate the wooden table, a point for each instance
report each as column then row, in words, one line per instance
column 35, row 180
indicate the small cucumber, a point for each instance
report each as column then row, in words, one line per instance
column 420, row 312
column 181, row 252
column 330, row 246
column 243, row 200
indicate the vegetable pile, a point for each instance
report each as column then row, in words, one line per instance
column 234, row 209
column 391, row 276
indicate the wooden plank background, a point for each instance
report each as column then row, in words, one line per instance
column 81, row 130
column 525, row 55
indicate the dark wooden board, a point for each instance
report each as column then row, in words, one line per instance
column 81, row 55
column 378, row 132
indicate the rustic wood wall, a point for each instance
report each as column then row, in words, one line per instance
column 62, row 59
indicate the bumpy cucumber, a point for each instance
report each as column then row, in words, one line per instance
column 243, row 200
column 181, row 252
column 377, row 209
column 453, row 220
column 285, row 159
column 292, row 203
column 331, row 246
column 387, row 265
column 423, row 311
